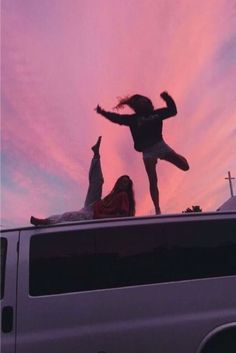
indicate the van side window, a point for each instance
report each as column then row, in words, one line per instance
column 3, row 246
column 165, row 253
column 61, row 263
column 131, row 255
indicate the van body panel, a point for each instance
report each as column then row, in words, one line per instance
column 127, row 318
column 173, row 308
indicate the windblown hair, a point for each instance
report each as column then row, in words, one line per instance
column 137, row 102
column 122, row 102
column 130, row 193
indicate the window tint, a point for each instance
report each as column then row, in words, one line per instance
column 131, row 255
column 165, row 253
column 61, row 263
column 3, row 246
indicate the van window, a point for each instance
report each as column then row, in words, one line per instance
column 165, row 253
column 3, row 246
column 132, row 255
column 60, row 263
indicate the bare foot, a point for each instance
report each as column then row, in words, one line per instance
column 39, row 221
column 96, row 147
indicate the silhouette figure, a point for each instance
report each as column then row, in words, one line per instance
column 118, row 203
column 146, row 129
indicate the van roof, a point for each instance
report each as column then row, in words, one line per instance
column 164, row 218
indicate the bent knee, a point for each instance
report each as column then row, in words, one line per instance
column 186, row 167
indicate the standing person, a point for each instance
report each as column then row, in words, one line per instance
column 146, row 128
column 118, row 203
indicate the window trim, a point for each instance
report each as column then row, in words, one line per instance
column 3, row 265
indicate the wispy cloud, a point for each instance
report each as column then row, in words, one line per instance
column 61, row 58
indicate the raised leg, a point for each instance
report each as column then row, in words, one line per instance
column 150, row 166
column 96, row 180
column 94, row 193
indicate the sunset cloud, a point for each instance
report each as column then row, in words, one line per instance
column 61, row 58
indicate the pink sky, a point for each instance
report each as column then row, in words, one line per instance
column 62, row 57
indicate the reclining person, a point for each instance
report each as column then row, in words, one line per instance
column 119, row 202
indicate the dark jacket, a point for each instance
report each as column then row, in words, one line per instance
column 146, row 130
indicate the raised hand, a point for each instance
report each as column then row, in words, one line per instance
column 98, row 109
column 164, row 95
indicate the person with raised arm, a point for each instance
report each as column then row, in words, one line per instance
column 146, row 129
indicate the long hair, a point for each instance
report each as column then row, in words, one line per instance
column 129, row 191
column 140, row 104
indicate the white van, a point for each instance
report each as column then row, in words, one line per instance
column 161, row 284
